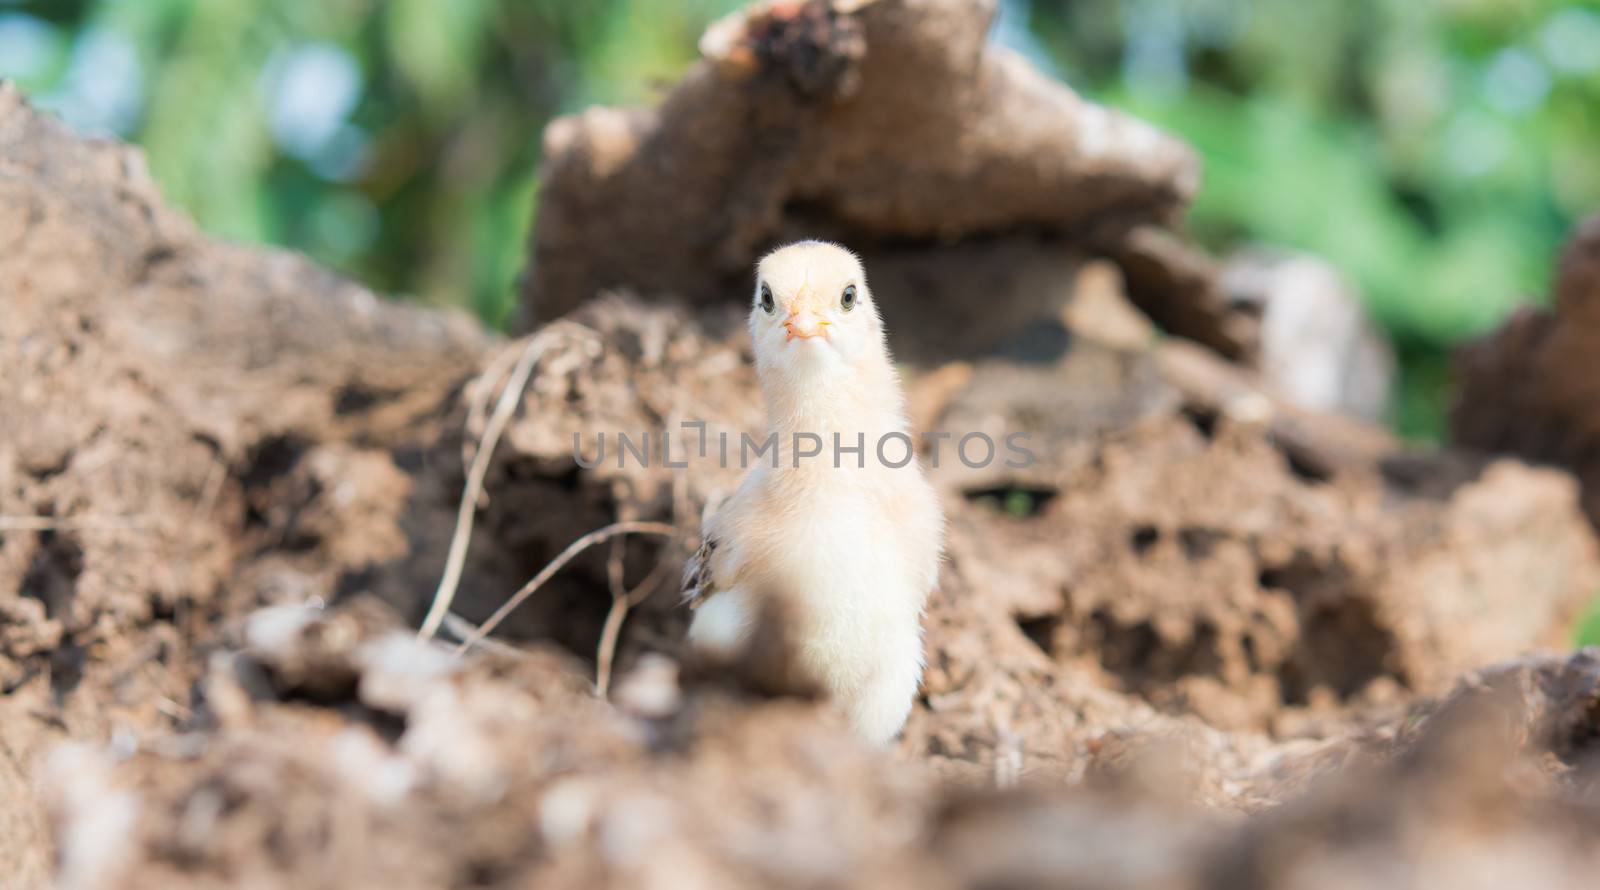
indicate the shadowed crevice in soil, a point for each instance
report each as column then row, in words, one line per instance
column 52, row 575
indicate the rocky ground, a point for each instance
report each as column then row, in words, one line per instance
column 1215, row 637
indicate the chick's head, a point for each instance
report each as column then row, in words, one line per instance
column 812, row 315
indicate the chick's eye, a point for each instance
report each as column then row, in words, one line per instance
column 767, row 303
column 848, row 299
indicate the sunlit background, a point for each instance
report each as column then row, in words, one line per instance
column 1435, row 150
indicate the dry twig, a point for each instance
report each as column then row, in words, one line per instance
column 621, row 602
column 510, row 396
column 462, row 629
column 624, row 601
column 599, row 535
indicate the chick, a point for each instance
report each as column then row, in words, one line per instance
column 846, row 544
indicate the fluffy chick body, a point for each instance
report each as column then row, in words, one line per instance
column 850, row 551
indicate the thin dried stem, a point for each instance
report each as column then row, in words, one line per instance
column 621, row 602
column 624, row 601
column 478, row 405
column 606, row 652
column 598, row 536
column 503, row 409
column 461, row 629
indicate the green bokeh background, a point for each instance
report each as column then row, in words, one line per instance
column 1435, row 150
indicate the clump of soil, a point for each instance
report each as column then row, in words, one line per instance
column 1526, row 389
column 193, row 429
column 418, row 770
column 971, row 183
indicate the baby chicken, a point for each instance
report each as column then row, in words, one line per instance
column 844, row 542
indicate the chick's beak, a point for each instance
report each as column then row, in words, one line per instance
column 804, row 325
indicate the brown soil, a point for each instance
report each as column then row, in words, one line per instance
column 193, row 429
column 1207, row 640
column 971, row 183
column 1529, row 388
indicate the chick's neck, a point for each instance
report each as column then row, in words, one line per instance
column 866, row 400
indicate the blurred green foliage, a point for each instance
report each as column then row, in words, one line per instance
column 1435, row 150
column 1587, row 632
column 396, row 140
